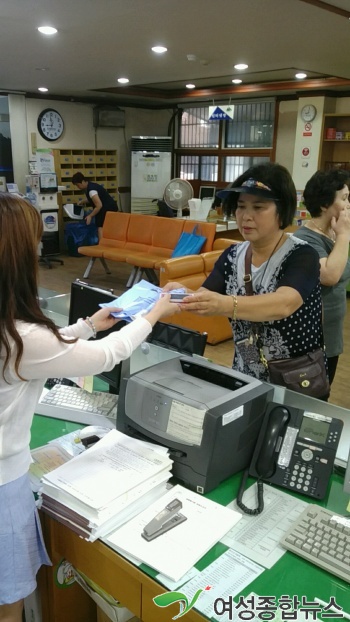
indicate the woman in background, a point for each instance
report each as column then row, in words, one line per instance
column 32, row 348
column 326, row 197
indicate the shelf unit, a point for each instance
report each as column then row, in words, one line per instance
column 335, row 152
column 99, row 165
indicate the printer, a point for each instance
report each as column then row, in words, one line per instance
column 208, row 416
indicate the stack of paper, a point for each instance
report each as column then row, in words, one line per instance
column 177, row 549
column 106, row 485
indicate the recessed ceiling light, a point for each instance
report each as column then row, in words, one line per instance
column 43, row 89
column 47, row 30
column 236, row 81
column 190, row 86
column 123, row 80
column 241, row 66
column 159, row 49
column 301, row 75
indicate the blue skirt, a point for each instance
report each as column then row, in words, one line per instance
column 22, row 548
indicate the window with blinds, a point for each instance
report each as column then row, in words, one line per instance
column 219, row 151
column 196, row 131
column 251, row 126
column 199, row 167
column 236, row 165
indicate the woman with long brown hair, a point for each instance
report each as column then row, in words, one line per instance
column 32, row 348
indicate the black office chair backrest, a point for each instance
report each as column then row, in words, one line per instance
column 164, row 209
column 183, row 340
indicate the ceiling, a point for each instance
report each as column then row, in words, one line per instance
column 101, row 40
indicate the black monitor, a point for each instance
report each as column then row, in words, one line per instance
column 85, row 300
column 207, row 192
column 48, row 183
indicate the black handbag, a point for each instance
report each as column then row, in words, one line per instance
column 306, row 374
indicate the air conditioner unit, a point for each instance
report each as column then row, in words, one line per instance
column 150, row 171
column 108, row 117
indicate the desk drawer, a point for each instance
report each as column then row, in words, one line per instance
column 102, row 565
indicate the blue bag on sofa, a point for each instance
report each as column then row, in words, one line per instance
column 189, row 244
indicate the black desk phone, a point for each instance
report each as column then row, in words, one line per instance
column 295, row 449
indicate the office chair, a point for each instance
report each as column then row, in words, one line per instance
column 48, row 259
column 183, row 340
column 164, row 209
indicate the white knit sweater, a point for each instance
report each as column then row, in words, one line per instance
column 44, row 357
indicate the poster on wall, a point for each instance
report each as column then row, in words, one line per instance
column 45, row 161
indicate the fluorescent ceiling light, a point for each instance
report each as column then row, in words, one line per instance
column 43, row 89
column 300, row 75
column 237, row 81
column 241, row 66
column 190, row 86
column 47, row 30
column 159, row 49
column 123, row 80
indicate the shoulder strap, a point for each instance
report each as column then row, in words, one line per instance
column 247, row 278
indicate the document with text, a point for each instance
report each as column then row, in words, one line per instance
column 258, row 537
column 109, row 469
column 175, row 551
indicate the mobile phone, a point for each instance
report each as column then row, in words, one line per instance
column 178, row 297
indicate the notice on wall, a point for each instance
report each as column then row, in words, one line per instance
column 45, row 161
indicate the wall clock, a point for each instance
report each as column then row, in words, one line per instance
column 50, row 124
column 308, row 112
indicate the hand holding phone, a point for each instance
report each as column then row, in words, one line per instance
column 176, row 297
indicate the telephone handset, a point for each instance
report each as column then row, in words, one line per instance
column 266, row 462
column 296, row 450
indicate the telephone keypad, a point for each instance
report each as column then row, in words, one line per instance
column 299, row 476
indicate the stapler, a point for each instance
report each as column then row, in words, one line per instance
column 164, row 521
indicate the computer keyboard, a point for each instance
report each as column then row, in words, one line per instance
column 75, row 404
column 323, row 538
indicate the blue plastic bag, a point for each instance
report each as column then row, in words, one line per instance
column 189, row 244
column 79, row 234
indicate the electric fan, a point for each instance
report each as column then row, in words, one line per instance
column 177, row 194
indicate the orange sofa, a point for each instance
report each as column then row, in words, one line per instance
column 142, row 241
column 191, row 272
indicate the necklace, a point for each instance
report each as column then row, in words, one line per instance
column 254, row 332
column 330, row 237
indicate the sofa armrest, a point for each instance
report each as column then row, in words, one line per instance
column 179, row 267
column 222, row 243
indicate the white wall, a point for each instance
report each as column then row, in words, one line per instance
column 18, row 127
column 286, row 129
column 79, row 132
column 342, row 106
